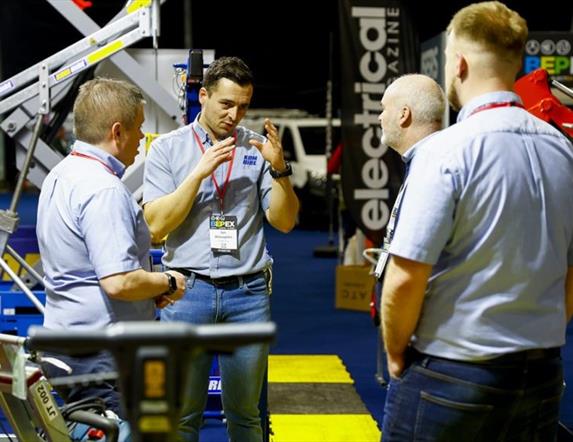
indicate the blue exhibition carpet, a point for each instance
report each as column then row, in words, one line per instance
column 308, row 323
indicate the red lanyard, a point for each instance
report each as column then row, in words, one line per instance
column 220, row 192
column 495, row 105
column 89, row 157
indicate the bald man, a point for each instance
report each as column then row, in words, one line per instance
column 412, row 110
column 479, row 287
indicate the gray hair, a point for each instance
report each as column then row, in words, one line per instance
column 422, row 95
column 100, row 103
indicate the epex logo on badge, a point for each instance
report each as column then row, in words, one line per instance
column 219, row 222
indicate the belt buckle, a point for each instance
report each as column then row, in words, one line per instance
column 224, row 280
column 537, row 353
column 533, row 354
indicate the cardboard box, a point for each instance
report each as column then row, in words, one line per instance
column 354, row 286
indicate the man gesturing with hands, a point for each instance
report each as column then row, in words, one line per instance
column 208, row 186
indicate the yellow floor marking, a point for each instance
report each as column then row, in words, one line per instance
column 307, row 368
column 324, row 428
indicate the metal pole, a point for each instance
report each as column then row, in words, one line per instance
column 22, row 286
column 26, row 165
column 155, row 28
column 11, row 339
column 188, row 36
column 562, row 88
column 329, row 250
column 9, row 218
column 31, row 270
column 2, row 147
column 328, row 150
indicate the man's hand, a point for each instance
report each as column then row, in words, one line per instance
column 165, row 300
column 272, row 150
column 166, row 213
column 403, row 294
column 181, row 285
column 215, row 156
column 396, row 364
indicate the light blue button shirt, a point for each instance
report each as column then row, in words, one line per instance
column 171, row 159
column 89, row 227
column 395, row 212
column 490, row 206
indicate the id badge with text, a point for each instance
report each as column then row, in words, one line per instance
column 223, row 233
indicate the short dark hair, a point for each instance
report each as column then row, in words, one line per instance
column 231, row 68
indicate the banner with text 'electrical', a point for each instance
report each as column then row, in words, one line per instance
column 377, row 45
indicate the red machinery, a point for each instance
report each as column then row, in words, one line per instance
column 534, row 89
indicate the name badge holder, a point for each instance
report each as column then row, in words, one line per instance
column 385, row 251
column 223, row 233
column 223, row 229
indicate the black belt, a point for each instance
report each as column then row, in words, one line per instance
column 534, row 354
column 516, row 358
column 225, row 280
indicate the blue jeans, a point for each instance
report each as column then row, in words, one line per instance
column 242, row 373
column 438, row 399
column 101, row 362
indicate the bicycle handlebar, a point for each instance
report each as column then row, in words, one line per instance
column 212, row 337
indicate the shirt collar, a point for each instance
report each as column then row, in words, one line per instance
column 204, row 135
column 89, row 149
column 201, row 132
column 409, row 154
column 485, row 99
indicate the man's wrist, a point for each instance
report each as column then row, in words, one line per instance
column 281, row 172
column 198, row 176
column 279, row 165
column 171, row 283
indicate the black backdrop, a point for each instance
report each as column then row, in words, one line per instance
column 285, row 43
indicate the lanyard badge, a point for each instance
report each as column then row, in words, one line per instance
column 223, row 233
column 390, row 227
column 75, row 153
column 220, row 190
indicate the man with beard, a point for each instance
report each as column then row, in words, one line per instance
column 412, row 110
column 479, row 287
column 209, row 186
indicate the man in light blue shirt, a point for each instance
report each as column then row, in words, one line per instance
column 94, row 242
column 479, row 288
column 412, row 111
column 209, row 186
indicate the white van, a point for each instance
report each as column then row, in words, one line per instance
column 303, row 138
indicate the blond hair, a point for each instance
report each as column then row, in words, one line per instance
column 100, row 103
column 492, row 25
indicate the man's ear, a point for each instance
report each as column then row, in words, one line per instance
column 203, row 95
column 116, row 131
column 461, row 66
column 405, row 117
